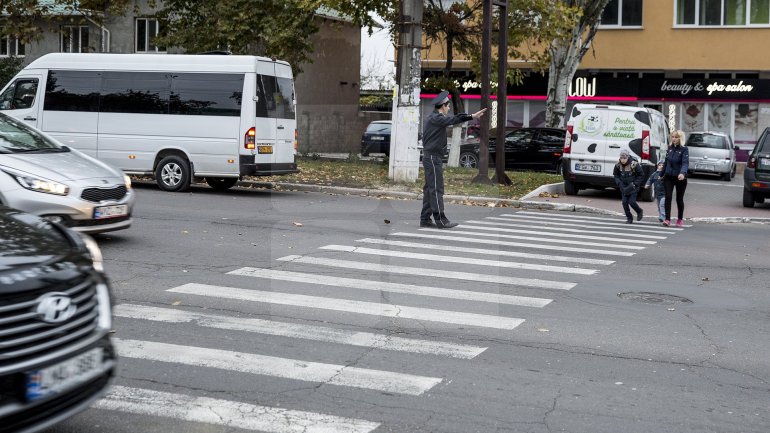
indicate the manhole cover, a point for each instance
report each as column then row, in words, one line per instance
column 654, row 298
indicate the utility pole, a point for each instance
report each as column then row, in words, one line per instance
column 404, row 154
column 502, row 93
column 486, row 42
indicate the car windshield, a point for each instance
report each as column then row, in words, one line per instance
column 707, row 141
column 15, row 137
column 382, row 128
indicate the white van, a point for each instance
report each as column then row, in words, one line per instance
column 597, row 133
column 175, row 117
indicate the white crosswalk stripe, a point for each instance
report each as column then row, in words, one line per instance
column 464, row 260
column 330, row 374
column 560, row 222
column 477, row 239
column 226, row 413
column 428, row 273
column 596, row 219
column 306, row 332
column 571, row 236
column 345, row 305
column 487, row 252
column 581, row 242
column 465, row 295
column 539, row 226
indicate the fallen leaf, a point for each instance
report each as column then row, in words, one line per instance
column 176, row 302
column 672, row 309
column 490, row 205
column 387, row 221
column 296, row 224
column 184, row 232
column 704, row 279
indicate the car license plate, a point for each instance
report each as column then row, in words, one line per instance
column 378, row 138
column 264, row 149
column 64, row 375
column 588, row 167
column 118, row 210
column 704, row 167
column 764, row 162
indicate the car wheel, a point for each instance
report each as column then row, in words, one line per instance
column 365, row 151
column 732, row 173
column 469, row 160
column 559, row 168
column 570, row 188
column 173, row 174
column 748, row 198
column 727, row 177
column 221, row 183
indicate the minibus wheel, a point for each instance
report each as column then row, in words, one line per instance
column 221, row 183
column 173, row 173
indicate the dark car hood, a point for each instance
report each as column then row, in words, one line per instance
column 22, row 244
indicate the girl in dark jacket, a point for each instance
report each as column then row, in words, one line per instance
column 628, row 177
column 675, row 171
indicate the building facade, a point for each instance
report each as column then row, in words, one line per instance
column 699, row 62
column 327, row 92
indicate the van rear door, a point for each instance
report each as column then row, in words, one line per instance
column 588, row 154
column 286, row 121
column 265, row 122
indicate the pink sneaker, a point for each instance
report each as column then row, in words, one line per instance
column 679, row 223
column 667, row 223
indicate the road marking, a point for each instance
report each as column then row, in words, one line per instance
column 476, row 240
column 619, row 238
column 438, row 292
column 226, row 413
column 329, row 374
column 486, row 252
column 423, row 272
column 714, row 184
column 348, row 306
column 306, row 332
column 573, row 215
column 615, row 244
column 463, row 260
column 552, row 221
column 562, row 229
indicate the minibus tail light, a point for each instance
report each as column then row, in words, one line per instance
column 250, row 139
column 645, row 144
column 568, row 140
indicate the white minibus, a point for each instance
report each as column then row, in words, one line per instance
column 175, row 117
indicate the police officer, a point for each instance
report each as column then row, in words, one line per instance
column 434, row 141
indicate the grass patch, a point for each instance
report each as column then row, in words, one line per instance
column 372, row 174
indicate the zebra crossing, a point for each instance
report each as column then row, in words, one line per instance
column 522, row 260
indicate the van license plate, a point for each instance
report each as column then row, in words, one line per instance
column 588, row 167
column 264, row 149
column 378, row 138
column 64, row 375
column 103, row 212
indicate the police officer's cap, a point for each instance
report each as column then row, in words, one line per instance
column 441, row 99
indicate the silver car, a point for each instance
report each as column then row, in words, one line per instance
column 712, row 153
column 38, row 175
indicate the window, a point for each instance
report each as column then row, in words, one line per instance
column 206, row 94
column 146, row 31
column 135, row 92
column 723, row 12
column 622, row 13
column 275, row 97
column 74, row 39
column 10, row 46
column 20, row 94
column 72, row 91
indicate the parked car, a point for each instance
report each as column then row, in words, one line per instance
column 756, row 176
column 376, row 138
column 40, row 176
column 712, row 153
column 57, row 357
column 525, row 148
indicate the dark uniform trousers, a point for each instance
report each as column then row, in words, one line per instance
column 433, row 191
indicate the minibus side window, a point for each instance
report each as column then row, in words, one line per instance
column 206, row 94
column 72, row 91
column 136, row 92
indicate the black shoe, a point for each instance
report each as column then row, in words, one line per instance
column 640, row 215
column 427, row 223
column 445, row 224
column 630, row 221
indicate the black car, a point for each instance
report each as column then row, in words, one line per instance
column 376, row 138
column 56, row 357
column 756, row 175
column 525, row 148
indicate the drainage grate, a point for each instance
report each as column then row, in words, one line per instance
column 654, row 298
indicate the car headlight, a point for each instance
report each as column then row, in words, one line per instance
column 127, row 180
column 104, row 305
column 42, row 185
column 94, row 251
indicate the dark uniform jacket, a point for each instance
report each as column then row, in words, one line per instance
column 628, row 177
column 434, row 139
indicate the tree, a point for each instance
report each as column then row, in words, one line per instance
column 567, row 52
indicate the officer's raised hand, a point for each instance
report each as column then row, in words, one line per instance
column 479, row 113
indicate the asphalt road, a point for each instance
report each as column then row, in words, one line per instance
column 200, row 350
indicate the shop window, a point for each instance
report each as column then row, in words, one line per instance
column 722, row 12
column 147, row 30
column 622, row 13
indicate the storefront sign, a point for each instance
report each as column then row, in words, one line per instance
column 704, row 89
column 582, row 87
